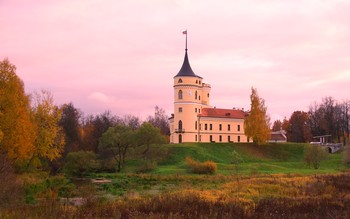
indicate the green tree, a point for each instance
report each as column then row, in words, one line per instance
column 147, row 134
column 49, row 140
column 15, row 122
column 256, row 125
column 116, row 142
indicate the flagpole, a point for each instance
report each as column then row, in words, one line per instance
column 186, row 40
column 185, row 32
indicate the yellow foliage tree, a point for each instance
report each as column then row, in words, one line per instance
column 49, row 139
column 15, row 122
column 257, row 124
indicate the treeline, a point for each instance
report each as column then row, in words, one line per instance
column 37, row 134
column 330, row 117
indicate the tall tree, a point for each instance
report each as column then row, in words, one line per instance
column 49, row 140
column 116, row 142
column 160, row 120
column 299, row 129
column 70, row 122
column 15, row 122
column 256, row 125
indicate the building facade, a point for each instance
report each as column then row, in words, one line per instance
column 194, row 120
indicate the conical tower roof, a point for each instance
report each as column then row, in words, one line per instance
column 186, row 70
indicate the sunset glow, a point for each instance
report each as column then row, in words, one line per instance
column 122, row 55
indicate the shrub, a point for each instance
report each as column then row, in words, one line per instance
column 10, row 188
column 147, row 166
column 80, row 163
column 207, row 167
column 346, row 154
column 314, row 154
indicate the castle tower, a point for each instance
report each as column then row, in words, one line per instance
column 190, row 96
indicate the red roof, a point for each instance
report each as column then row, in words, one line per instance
column 223, row 113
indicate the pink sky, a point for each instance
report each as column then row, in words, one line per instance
column 122, row 55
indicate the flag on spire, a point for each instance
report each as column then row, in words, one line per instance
column 184, row 32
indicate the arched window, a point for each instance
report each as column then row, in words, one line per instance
column 180, row 95
column 180, row 80
column 180, row 125
column 195, row 95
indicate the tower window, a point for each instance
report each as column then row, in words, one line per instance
column 195, row 125
column 180, row 80
column 211, row 126
column 239, row 138
column 208, row 95
column 238, row 127
column 180, row 109
column 180, row 95
column 195, row 110
column 196, row 81
column 195, row 95
column 205, row 126
column 220, row 127
column 199, row 98
column 180, row 125
column 220, row 138
column 228, row 127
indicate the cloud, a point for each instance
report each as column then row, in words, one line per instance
column 101, row 97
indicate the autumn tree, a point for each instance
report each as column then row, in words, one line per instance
column 93, row 127
column 256, row 125
column 299, row 129
column 116, row 142
column 15, row 123
column 49, row 138
column 277, row 125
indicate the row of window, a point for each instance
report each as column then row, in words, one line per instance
column 197, row 81
column 211, row 139
column 211, row 127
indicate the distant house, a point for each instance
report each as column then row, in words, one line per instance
column 278, row 136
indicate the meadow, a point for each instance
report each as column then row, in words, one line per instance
column 269, row 181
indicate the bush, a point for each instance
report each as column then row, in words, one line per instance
column 80, row 163
column 346, row 154
column 314, row 154
column 147, row 166
column 10, row 188
column 207, row 167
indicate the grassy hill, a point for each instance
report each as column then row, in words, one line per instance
column 268, row 158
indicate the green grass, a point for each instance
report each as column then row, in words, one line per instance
column 265, row 159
